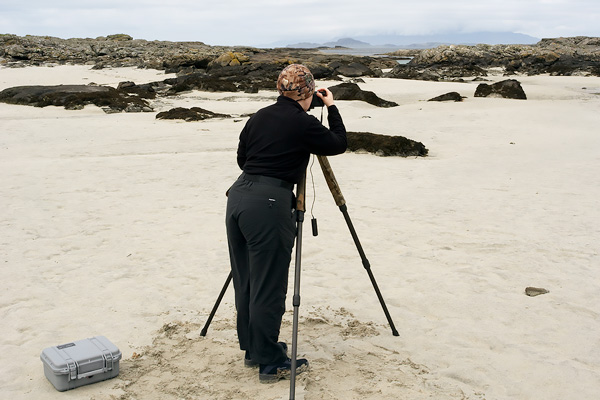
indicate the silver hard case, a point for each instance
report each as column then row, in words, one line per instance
column 80, row 363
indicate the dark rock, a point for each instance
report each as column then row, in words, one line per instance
column 124, row 85
column 451, row 96
column 384, row 145
column 144, row 91
column 405, row 71
column 509, row 89
column 352, row 69
column 320, row 71
column 190, row 114
column 119, row 37
column 434, row 72
column 74, row 97
column 351, row 91
column 187, row 62
column 249, row 77
column 535, row 291
column 232, row 80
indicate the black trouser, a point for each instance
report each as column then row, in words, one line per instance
column 261, row 227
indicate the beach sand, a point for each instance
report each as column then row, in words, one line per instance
column 113, row 224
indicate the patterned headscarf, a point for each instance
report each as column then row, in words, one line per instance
column 296, row 82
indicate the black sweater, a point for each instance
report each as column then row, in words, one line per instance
column 277, row 141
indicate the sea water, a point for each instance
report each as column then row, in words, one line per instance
column 366, row 51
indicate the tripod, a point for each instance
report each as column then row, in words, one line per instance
column 300, row 209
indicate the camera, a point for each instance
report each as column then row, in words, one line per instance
column 316, row 100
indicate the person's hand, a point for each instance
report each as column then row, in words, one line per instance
column 325, row 95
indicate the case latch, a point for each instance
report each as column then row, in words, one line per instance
column 72, row 367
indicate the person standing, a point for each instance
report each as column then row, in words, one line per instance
column 273, row 152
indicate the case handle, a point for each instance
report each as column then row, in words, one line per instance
column 108, row 360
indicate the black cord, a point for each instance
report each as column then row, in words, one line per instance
column 315, row 229
column 312, row 178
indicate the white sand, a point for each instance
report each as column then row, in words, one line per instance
column 113, row 225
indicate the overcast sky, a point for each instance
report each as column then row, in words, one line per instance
column 261, row 22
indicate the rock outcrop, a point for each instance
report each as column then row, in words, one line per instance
column 384, row 145
column 435, row 72
column 451, row 96
column 190, row 114
column 508, row 89
column 351, row 91
column 561, row 56
column 179, row 57
column 114, row 50
column 75, row 97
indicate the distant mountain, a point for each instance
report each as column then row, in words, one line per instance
column 347, row 42
column 420, row 41
column 301, row 45
column 344, row 42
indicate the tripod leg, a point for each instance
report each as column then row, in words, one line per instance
column 214, row 310
column 300, row 208
column 367, row 266
column 296, row 303
column 341, row 203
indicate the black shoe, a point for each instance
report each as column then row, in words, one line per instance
column 250, row 363
column 273, row 372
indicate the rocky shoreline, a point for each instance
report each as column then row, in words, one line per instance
column 560, row 56
column 179, row 57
